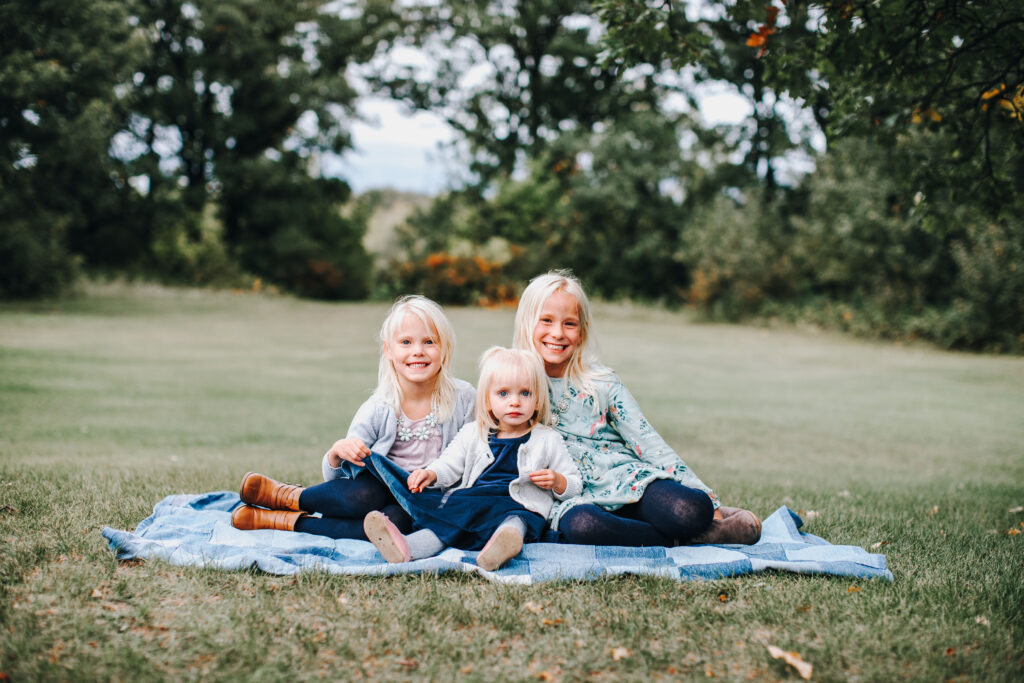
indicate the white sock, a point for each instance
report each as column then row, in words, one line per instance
column 423, row 543
column 516, row 523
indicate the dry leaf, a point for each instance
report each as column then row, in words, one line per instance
column 1013, row 532
column 531, row 606
column 853, row 589
column 407, row 663
column 1019, row 508
column 621, row 653
column 950, row 652
column 876, row 546
column 551, row 622
column 934, row 510
column 794, row 660
column 982, row 620
column 546, row 676
column 96, row 593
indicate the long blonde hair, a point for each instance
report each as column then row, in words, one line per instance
column 389, row 390
column 498, row 363
column 583, row 367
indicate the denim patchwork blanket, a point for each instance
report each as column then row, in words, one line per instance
column 196, row 530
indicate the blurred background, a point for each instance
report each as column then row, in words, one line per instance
column 857, row 166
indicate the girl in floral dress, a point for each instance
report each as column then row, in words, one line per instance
column 636, row 489
column 415, row 411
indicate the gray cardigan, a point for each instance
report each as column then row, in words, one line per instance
column 377, row 425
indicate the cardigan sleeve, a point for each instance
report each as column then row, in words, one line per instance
column 640, row 437
column 560, row 461
column 451, row 464
column 366, row 426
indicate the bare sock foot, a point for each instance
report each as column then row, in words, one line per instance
column 386, row 537
column 737, row 526
column 505, row 544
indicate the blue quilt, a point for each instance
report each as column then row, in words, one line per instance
column 196, row 530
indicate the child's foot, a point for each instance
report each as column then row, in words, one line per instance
column 502, row 547
column 386, row 537
column 737, row 526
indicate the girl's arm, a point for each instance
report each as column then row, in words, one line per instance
column 362, row 432
column 559, row 466
column 625, row 416
column 450, row 465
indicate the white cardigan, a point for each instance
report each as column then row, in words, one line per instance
column 468, row 455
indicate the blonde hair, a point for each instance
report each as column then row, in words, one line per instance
column 583, row 367
column 389, row 390
column 498, row 363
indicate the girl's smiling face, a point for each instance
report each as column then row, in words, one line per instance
column 414, row 351
column 557, row 333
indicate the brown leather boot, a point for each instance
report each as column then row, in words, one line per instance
column 264, row 492
column 248, row 518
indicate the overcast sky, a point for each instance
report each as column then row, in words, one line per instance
column 400, row 151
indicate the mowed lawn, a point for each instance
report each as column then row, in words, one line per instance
column 114, row 400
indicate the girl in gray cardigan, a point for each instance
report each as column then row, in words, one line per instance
column 415, row 411
column 502, row 474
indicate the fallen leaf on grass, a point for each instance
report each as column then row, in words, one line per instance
column 407, row 663
column 934, row 511
column 96, row 593
column 950, row 652
column 876, row 546
column 794, row 660
column 1013, row 532
column 531, row 606
column 551, row 622
column 1019, row 508
column 982, row 620
column 621, row 653
column 853, row 589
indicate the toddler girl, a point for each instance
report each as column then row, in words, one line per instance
column 636, row 490
column 507, row 470
column 416, row 410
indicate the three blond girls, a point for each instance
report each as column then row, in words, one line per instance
column 495, row 486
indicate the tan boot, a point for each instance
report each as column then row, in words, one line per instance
column 248, row 518
column 264, row 492
column 736, row 526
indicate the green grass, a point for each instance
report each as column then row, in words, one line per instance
column 113, row 400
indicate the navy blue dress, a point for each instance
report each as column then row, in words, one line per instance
column 465, row 518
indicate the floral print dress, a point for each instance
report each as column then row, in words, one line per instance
column 617, row 451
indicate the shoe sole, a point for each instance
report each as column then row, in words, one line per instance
column 381, row 532
column 502, row 547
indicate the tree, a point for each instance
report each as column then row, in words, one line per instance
column 510, row 76
column 953, row 67
column 61, row 65
column 239, row 97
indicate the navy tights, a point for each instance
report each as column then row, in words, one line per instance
column 343, row 503
column 668, row 514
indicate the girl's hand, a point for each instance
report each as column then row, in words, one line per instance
column 549, row 479
column 351, row 450
column 421, row 479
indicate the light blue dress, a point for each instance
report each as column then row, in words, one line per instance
column 616, row 450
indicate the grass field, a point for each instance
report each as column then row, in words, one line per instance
column 111, row 401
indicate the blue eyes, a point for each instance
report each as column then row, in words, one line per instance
column 504, row 394
column 406, row 342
